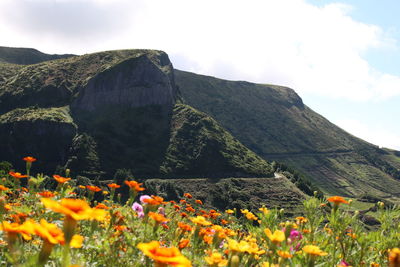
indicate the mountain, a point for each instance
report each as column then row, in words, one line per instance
column 26, row 55
column 102, row 112
column 274, row 122
column 130, row 111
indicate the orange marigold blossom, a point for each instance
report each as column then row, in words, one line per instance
column 159, row 218
column 113, row 185
column 75, row 209
column 198, row 201
column 93, row 188
column 284, row 254
column 184, row 227
column 17, row 175
column 163, row 255
column 29, row 159
column 187, row 195
column 12, row 229
column 336, row 200
column 101, row 206
column 201, row 221
column 394, row 257
column 47, row 194
column 135, row 185
column 50, row 233
column 314, row 250
column 3, row 188
column 154, row 200
column 183, row 243
column 60, row 179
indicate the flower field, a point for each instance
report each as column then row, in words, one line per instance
column 70, row 226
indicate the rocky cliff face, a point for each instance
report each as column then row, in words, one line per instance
column 135, row 82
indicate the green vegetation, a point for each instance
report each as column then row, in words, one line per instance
column 200, row 147
column 25, row 56
column 274, row 123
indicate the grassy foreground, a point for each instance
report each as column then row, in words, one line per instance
column 67, row 227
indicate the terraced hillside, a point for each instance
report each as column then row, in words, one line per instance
column 274, row 122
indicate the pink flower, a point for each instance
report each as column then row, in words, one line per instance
column 137, row 207
column 161, row 210
column 295, row 235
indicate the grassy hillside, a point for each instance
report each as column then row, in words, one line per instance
column 149, row 138
column 236, row 193
column 273, row 121
column 26, row 56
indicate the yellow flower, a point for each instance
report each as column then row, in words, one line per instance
column 216, row 259
column 314, row 250
column 230, row 211
column 264, row 210
column 277, row 237
column 200, row 220
column 162, row 255
column 251, row 216
column 241, row 246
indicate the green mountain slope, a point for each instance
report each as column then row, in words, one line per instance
column 25, row 56
column 106, row 111
column 273, row 121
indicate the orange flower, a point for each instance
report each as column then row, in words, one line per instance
column 101, row 206
column 184, row 227
column 183, row 243
column 162, row 255
column 17, row 175
column 60, row 179
column 159, row 218
column 29, row 159
column 336, row 200
column 81, row 186
column 3, row 188
column 198, row 201
column 49, row 232
column 394, row 257
column 93, row 188
column 284, row 254
column 75, row 209
column 135, row 185
column 154, row 200
column 113, row 185
column 12, row 229
column 47, row 194
column 187, row 195
column 19, row 216
column 190, row 209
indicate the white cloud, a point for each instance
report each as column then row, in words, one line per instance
column 288, row 42
column 375, row 134
column 315, row 50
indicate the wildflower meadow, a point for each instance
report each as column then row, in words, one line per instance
column 87, row 225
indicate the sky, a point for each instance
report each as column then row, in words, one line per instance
column 342, row 57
